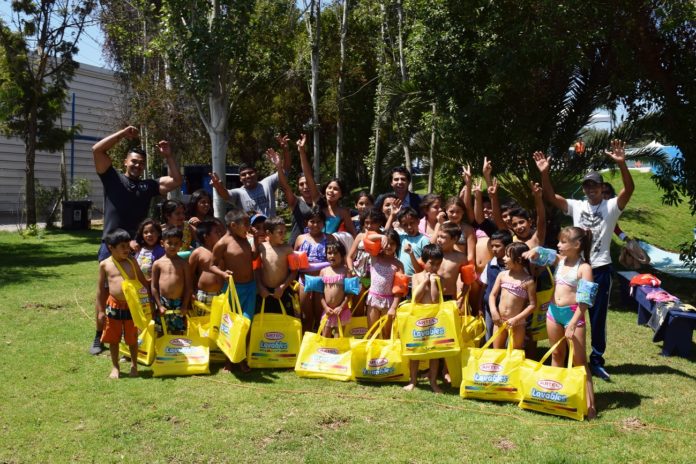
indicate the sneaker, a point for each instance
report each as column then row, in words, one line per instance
column 600, row 371
column 97, row 346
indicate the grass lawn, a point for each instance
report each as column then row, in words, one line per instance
column 59, row 406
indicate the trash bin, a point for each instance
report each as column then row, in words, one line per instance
column 76, row 215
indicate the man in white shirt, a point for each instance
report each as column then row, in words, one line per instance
column 600, row 216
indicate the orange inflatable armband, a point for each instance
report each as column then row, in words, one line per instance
column 256, row 264
column 298, row 260
column 372, row 243
column 400, row 286
column 468, row 273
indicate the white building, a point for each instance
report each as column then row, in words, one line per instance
column 93, row 99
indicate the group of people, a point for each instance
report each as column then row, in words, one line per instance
column 429, row 239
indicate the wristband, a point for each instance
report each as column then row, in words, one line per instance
column 623, row 236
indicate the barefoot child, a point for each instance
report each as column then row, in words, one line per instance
column 496, row 244
column 171, row 284
column 118, row 317
column 334, row 301
column 517, row 292
column 426, row 290
column 380, row 298
column 566, row 314
column 274, row 278
column 206, row 284
column 148, row 237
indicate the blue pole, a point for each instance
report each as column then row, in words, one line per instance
column 72, row 142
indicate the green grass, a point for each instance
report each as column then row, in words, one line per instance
column 58, row 405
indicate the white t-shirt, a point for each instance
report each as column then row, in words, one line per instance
column 259, row 199
column 601, row 220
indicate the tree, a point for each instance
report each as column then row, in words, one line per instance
column 313, row 24
column 341, row 87
column 37, row 58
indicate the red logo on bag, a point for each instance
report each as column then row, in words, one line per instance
column 549, row 384
column 227, row 319
column 180, row 342
column 427, row 322
column 377, row 362
column 273, row 335
column 490, row 367
column 358, row 331
column 328, row 350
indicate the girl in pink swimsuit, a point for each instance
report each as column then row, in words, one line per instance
column 334, row 301
column 380, row 298
column 517, row 292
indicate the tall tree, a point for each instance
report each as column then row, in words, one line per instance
column 37, row 56
column 341, row 87
column 313, row 24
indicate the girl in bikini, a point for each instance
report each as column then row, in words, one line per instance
column 358, row 259
column 334, row 300
column 380, row 298
column 517, row 296
column 566, row 313
column 430, row 206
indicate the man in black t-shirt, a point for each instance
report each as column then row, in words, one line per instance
column 127, row 197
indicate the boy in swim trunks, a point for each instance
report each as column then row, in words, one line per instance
column 206, row 284
column 274, row 278
column 171, row 284
column 118, row 317
column 452, row 261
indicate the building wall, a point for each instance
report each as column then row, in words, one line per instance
column 97, row 95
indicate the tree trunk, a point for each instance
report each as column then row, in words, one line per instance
column 30, row 158
column 315, row 14
column 431, row 160
column 404, row 137
column 341, row 85
column 219, row 134
column 378, row 101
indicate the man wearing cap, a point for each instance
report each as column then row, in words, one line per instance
column 600, row 216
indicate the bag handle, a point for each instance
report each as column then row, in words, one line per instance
column 439, row 287
column 571, row 352
column 235, row 297
column 375, row 329
column 263, row 306
column 202, row 306
column 362, row 297
column 496, row 334
column 124, row 274
column 325, row 320
column 163, row 322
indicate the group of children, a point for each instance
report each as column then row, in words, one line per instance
column 430, row 247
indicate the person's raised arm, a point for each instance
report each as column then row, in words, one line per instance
column 541, row 213
column 274, row 158
column 283, row 142
column 478, row 203
column 495, row 205
column 544, row 165
column 218, row 186
column 618, row 154
column 465, row 193
column 102, row 161
column 173, row 179
column 307, row 168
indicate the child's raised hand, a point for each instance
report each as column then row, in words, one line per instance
column 395, row 207
column 493, row 188
column 466, row 173
column 476, row 188
column 487, row 168
column 283, row 140
column 441, row 217
column 302, row 142
column 541, row 161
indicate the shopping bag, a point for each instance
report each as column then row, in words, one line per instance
column 137, row 296
column 492, row 374
column 537, row 328
column 275, row 339
column 377, row 360
column 181, row 354
column 472, row 330
column 428, row 331
column 233, row 329
column 357, row 326
column 554, row 390
column 216, row 310
column 203, row 325
column 322, row 357
column 146, row 345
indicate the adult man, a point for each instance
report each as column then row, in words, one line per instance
column 600, row 216
column 126, row 196
column 254, row 196
column 400, row 180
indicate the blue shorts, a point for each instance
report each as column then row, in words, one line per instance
column 247, row 298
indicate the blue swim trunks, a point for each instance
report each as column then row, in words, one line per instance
column 247, row 298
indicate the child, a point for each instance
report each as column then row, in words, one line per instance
column 358, row 260
column 465, row 242
column 497, row 243
column 118, row 317
column 274, row 277
column 521, row 223
column 426, row 290
column 389, row 207
column 171, row 283
column 314, row 244
column 518, row 299
column 364, row 203
column 412, row 241
column 148, row 238
column 174, row 215
column 566, row 313
column 380, row 298
column 206, row 284
column 452, row 260
column 334, row 301
column 199, row 207
column 430, row 206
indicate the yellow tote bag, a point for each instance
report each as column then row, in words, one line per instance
column 472, row 330
column 275, row 339
column 202, row 323
column 537, row 329
column 357, row 326
column 554, row 390
column 216, row 310
column 181, row 354
column 146, row 345
column 233, row 329
column 322, row 357
column 428, row 331
column 376, row 360
column 492, row 374
column 137, row 297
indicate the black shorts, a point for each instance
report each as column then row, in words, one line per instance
column 272, row 304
